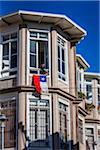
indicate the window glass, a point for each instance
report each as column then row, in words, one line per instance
column 6, row 37
column 99, row 100
column 13, row 35
column 63, row 67
column 32, row 60
column 43, row 35
column 58, row 51
column 63, row 54
column 5, row 49
column 33, row 34
column 59, row 65
column 33, row 46
column 14, row 61
column 89, row 92
column 43, row 53
column 13, row 47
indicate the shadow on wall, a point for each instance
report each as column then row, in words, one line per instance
column 52, row 142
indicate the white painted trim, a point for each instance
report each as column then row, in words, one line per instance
column 45, row 97
column 51, row 15
column 84, row 61
column 28, row 56
column 66, row 75
column 9, row 41
column 27, row 119
column 0, row 54
column 92, row 74
column 39, row 30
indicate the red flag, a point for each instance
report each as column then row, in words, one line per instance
column 36, row 82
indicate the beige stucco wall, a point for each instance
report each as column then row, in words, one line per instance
column 72, row 70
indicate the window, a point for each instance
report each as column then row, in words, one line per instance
column 9, row 109
column 79, row 80
column 98, row 81
column 80, row 125
column 90, row 137
column 63, row 124
column 9, row 54
column 99, row 137
column 99, row 99
column 38, row 50
column 89, row 92
column 39, row 122
column 61, row 59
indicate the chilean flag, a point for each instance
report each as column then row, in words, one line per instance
column 40, row 82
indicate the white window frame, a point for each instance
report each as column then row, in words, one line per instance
column 9, row 98
column 45, row 97
column 1, row 57
column 80, row 79
column 98, row 88
column 37, row 39
column 65, row 61
column 92, row 127
column 89, row 83
column 98, row 128
column 61, row 100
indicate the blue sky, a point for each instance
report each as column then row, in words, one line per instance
column 85, row 13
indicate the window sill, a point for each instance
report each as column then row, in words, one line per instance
column 65, row 82
column 7, row 77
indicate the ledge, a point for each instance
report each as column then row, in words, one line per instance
column 92, row 121
column 62, row 93
column 24, row 88
column 82, row 111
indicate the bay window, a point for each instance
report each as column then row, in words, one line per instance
column 9, row 54
column 38, row 50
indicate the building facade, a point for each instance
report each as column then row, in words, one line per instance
column 56, row 121
column 88, row 84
